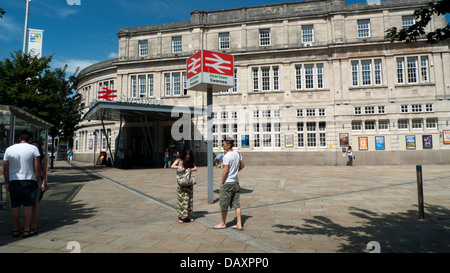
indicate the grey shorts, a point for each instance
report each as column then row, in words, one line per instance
column 229, row 196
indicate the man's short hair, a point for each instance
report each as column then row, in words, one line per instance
column 229, row 141
column 26, row 136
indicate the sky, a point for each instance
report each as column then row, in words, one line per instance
column 83, row 32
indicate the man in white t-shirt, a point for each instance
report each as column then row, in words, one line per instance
column 229, row 190
column 22, row 172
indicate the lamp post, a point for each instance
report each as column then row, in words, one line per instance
column 25, row 31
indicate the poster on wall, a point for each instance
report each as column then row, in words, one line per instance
column 343, row 139
column 446, row 137
column 245, row 141
column 91, row 144
column 363, row 143
column 379, row 143
column 410, row 142
column 289, row 140
column 427, row 142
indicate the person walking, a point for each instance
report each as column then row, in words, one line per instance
column 185, row 194
column 229, row 189
column 70, row 155
column 350, row 155
column 166, row 159
column 42, row 188
column 22, row 172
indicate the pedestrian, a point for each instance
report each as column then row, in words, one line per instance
column 42, row 188
column 70, row 155
column 350, row 156
column 166, row 159
column 229, row 189
column 22, row 172
column 176, row 154
column 218, row 160
column 185, row 194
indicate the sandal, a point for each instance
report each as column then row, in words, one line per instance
column 28, row 233
column 15, row 233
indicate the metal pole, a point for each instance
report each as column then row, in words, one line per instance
column 209, row 101
column 25, row 31
column 420, row 191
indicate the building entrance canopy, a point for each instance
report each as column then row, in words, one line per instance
column 132, row 112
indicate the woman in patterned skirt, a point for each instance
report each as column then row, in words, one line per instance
column 185, row 195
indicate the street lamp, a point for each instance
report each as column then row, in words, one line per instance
column 26, row 27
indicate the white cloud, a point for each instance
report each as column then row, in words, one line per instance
column 73, row 64
column 10, row 30
column 113, row 55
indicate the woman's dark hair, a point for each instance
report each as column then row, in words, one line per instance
column 39, row 146
column 190, row 162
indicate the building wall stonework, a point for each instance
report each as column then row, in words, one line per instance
column 307, row 75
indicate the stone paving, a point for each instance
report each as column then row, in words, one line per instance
column 288, row 209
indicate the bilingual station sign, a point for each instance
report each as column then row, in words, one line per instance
column 210, row 68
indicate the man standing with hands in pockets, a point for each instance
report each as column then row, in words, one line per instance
column 229, row 190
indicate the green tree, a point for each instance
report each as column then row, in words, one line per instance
column 2, row 11
column 422, row 17
column 28, row 82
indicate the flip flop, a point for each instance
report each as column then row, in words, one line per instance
column 217, row 227
column 235, row 227
column 180, row 221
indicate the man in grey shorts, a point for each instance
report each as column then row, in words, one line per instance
column 229, row 190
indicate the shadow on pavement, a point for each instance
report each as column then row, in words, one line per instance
column 397, row 232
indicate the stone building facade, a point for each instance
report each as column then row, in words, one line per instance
column 311, row 78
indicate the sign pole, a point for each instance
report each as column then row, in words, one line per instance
column 209, row 101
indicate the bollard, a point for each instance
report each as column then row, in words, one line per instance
column 420, row 191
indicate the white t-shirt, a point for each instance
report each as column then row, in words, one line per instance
column 232, row 159
column 21, row 161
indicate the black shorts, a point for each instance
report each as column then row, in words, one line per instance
column 22, row 192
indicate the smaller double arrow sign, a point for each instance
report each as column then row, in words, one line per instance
column 107, row 94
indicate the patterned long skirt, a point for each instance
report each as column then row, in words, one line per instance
column 185, row 201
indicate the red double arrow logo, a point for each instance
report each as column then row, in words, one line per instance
column 107, row 94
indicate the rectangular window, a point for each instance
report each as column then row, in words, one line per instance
column 307, row 34
column 381, row 109
column 265, row 77
column 369, row 110
column 417, row 123
column 266, row 134
column 356, row 125
column 150, row 85
column 298, row 77
column 299, row 112
column 403, row 124
column 424, row 68
column 309, row 76
column 366, row 72
column 400, row 70
column 369, row 125
column 300, row 137
column 429, row 107
column 355, row 73
column 311, row 112
column 276, row 78
column 176, row 84
column 321, row 112
column 383, row 124
column 431, row 123
column 177, row 45
column 319, row 75
column 255, row 74
column 358, row 110
column 377, row 64
column 142, row 85
column 407, row 21
column 277, row 135
column 363, row 27
column 224, row 41
column 404, row 108
column 133, row 87
column 167, row 84
column 412, row 69
column 264, row 37
column 143, row 48
column 416, row 108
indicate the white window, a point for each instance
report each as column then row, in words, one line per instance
column 403, row 124
column 417, row 123
column 407, row 21
column 267, row 134
column 366, row 72
column 224, row 115
column 355, row 73
column 299, row 112
column 358, row 110
column 369, row 125
column 298, row 77
column 256, row 140
column 264, row 37
column 143, row 48
column 300, row 136
column 412, row 69
column 255, row 74
column 400, row 70
column 431, row 123
column 321, row 112
column 429, row 107
column 417, row 70
column 356, row 125
column 369, row 110
column 322, row 135
column 310, row 112
column 381, row 109
column 176, row 84
column 276, row 78
column 363, row 27
column 307, row 34
column 404, row 108
column 167, row 84
column 424, row 69
column 383, row 124
column 311, row 135
column 277, row 134
column 416, row 108
column 265, row 77
column 266, row 80
column 224, row 40
column 377, row 67
column 150, row 85
column 133, row 86
column 142, row 85
column 177, row 45
column 309, row 76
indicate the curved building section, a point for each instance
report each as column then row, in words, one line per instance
column 310, row 78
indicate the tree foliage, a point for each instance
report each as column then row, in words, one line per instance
column 423, row 17
column 2, row 11
column 28, row 82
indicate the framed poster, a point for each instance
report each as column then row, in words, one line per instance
column 410, row 142
column 343, row 139
column 363, row 143
column 427, row 141
column 91, row 144
column 245, row 141
column 379, row 143
column 446, row 137
column 289, row 140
